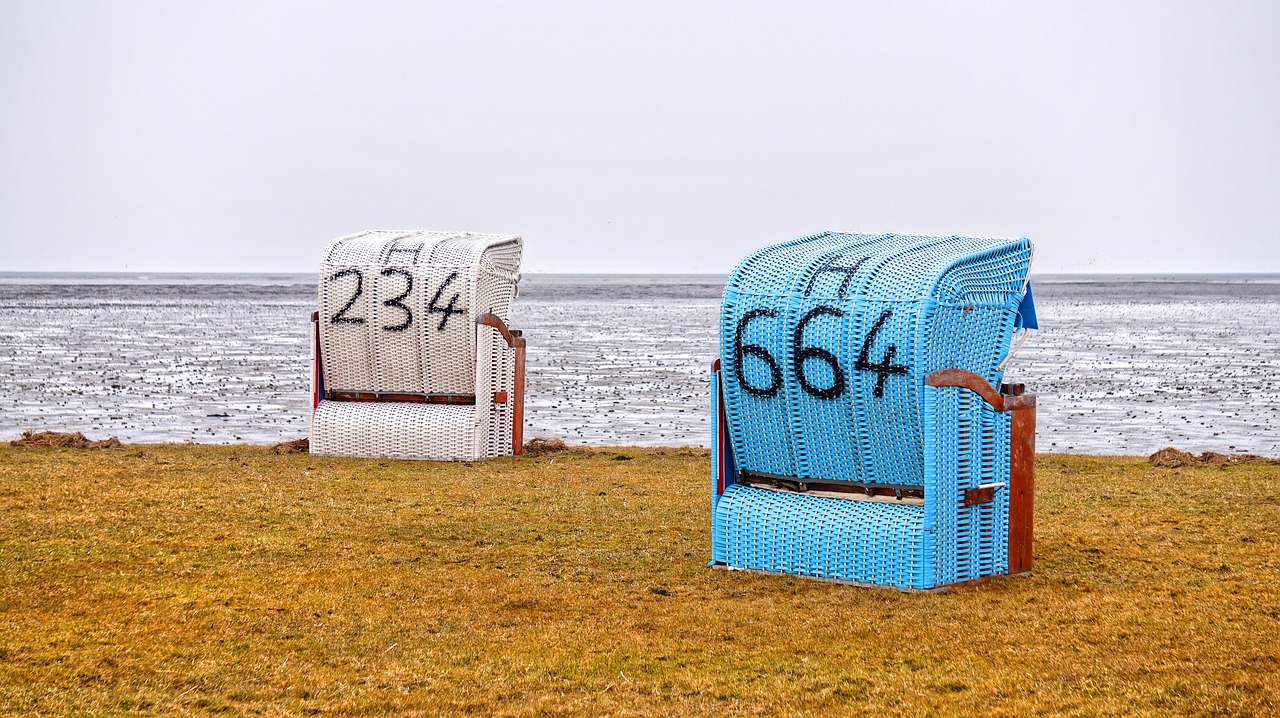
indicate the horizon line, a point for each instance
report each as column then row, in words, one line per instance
column 134, row 273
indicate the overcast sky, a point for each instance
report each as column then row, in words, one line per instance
column 637, row 137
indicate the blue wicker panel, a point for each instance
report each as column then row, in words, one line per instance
column 970, row 448
column 759, row 424
column 939, row 302
column 1000, row 506
column 827, row 538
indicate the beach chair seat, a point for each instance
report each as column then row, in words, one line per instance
column 412, row 354
column 857, row 434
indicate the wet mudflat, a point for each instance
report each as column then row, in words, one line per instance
column 1121, row 367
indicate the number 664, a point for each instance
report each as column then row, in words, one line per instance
column 801, row 354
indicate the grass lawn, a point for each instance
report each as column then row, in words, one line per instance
column 191, row 579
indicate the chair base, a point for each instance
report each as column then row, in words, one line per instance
column 396, row 430
column 864, row 542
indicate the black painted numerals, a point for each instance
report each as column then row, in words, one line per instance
column 801, row 354
column 396, row 302
column 741, row 350
column 434, row 308
column 341, row 317
column 829, row 266
column 885, row 366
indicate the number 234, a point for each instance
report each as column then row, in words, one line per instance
column 396, row 302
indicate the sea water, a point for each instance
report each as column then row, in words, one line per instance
column 1121, row 365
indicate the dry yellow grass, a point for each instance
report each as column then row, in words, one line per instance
column 185, row 579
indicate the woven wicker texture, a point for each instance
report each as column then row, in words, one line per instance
column 908, row 547
column 396, row 430
column 825, row 538
column 398, row 314
column 826, row 343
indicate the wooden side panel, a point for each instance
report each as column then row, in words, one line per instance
column 517, row 409
column 1022, row 470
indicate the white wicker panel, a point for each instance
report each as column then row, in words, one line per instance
column 502, row 363
column 367, row 345
column 395, row 430
column 385, row 247
column 494, row 295
column 397, row 354
column 449, row 340
column 503, row 260
column 397, row 314
column 486, row 338
column 344, row 336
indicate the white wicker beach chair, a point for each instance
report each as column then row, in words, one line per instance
column 412, row 356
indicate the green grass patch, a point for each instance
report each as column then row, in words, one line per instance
column 193, row 579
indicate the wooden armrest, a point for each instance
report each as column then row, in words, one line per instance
column 512, row 337
column 967, row 380
column 1016, row 399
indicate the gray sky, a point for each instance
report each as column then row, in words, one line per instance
column 641, row 137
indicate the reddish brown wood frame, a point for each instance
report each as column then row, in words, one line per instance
column 1022, row 454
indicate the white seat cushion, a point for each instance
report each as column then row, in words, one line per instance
column 435, row 432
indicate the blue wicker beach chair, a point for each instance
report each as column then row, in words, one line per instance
column 857, row 432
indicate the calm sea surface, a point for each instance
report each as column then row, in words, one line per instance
column 1122, row 365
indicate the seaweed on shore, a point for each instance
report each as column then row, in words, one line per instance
column 539, row 446
column 297, row 446
column 1172, row 458
column 73, row 440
